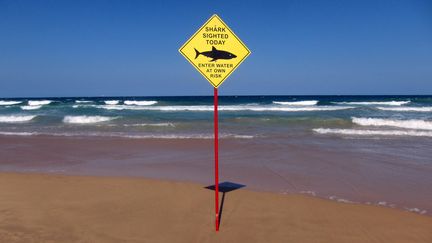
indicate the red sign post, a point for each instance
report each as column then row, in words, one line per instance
column 215, row 51
column 216, row 156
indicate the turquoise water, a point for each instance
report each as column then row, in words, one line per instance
column 240, row 116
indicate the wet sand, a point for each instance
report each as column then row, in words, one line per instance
column 362, row 171
column 57, row 208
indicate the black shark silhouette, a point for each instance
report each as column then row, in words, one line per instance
column 215, row 54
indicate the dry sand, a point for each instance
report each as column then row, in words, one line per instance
column 54, row 208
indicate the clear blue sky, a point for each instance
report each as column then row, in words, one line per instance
column 95, row 48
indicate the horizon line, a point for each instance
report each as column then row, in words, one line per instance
column 254, row 95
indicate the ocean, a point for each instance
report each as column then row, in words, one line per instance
column 241, row 117
column 353, row 149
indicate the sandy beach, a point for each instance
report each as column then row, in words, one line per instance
column 57, row 208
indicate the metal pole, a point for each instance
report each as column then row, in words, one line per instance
column 216, row 154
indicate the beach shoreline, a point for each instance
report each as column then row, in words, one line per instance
column 262, row 165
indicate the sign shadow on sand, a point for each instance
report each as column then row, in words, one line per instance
column 224, row 187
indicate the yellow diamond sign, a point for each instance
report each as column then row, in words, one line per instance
column 215, row 51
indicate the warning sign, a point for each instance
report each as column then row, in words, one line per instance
column 215, row 51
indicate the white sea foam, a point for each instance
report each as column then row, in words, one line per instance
column 300, row 103
column 391, row 103
column 39, row 102
column 170, row 136
column 86, row 119
column 382, row 203
column 16, row 119
column 312, row 193
column 166, row 124
column 408, row 109
column 410, row 124
column 341, row 200
column 30, row 107
column 189, row 136
column 9, row 102
column 416, row 210
column 83, row 101
column 361, row 132
column 140, row 102
column 121, row 135
column 238, row 136
column 18, row 133
column 82, row 106
column 111, row 102
column 225, row 108
column 274, row 108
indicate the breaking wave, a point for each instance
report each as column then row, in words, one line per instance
column 15, row 119
column 83, row 101
column 18, row 133
column 190, row 136
column 111, row 102
column 167, row 124
column 390, row 103
column 300, row 103
column 9, row 102
column 39, row 102
column 30, row 107
column 121, row 135
column 410, row 124
column 225, row 108
column 261, row 108
column 86, row 119
column 361, row 132
column 409, row 109
column 141, row 102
